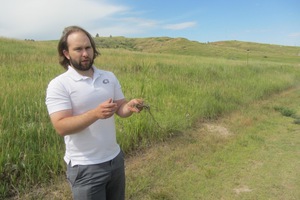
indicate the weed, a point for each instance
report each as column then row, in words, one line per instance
column 287, row 112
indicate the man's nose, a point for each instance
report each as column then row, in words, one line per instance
column 85, row 52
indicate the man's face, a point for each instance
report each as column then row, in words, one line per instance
column 80, row 51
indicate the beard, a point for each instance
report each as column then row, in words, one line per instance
column 82, row 67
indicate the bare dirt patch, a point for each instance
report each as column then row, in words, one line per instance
column 216, row 129
column 242, row 189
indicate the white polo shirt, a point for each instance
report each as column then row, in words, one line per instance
column 70, row 90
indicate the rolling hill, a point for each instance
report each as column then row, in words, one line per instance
column 182, row 46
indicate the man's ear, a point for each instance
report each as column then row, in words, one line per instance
column 66, row 54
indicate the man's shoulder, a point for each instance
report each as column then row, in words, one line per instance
column 59, row 78
column 104, row 72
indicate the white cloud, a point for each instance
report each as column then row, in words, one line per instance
column 125, row 26
column 294, row 35
column 180, row 26
column 140, row 22
column 47, row 18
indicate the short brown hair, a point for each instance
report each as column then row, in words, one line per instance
column 63, row 44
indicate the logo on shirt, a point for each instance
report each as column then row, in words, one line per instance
column 105, row 81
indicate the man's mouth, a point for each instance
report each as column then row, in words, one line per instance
column 85, row 61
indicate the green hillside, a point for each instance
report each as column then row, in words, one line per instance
column 234, row 50
column 228, row 49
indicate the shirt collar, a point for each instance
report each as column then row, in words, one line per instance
column 77, row 77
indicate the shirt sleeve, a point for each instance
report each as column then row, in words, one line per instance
column 118, row 93
column 57, row 97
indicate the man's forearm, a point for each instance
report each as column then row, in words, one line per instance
column 73, row 124
column 124, row 110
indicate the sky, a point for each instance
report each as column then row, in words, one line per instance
column 262, row 21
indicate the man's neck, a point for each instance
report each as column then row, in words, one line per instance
column 88, row 73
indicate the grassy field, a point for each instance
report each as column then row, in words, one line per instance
column 181, row 88
column 252, row 153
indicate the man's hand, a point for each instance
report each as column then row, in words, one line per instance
column 135, row 105
column 106, row 109
column 126, row 108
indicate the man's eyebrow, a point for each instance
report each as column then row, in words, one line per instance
column 77, row 48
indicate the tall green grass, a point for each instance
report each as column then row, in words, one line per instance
column 180, row 90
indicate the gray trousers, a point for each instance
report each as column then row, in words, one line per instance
column 104, row 181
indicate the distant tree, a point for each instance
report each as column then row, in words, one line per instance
column 97, row 35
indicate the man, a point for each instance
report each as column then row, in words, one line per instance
column 81, row 103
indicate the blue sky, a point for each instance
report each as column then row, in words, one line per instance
column 263, row 21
